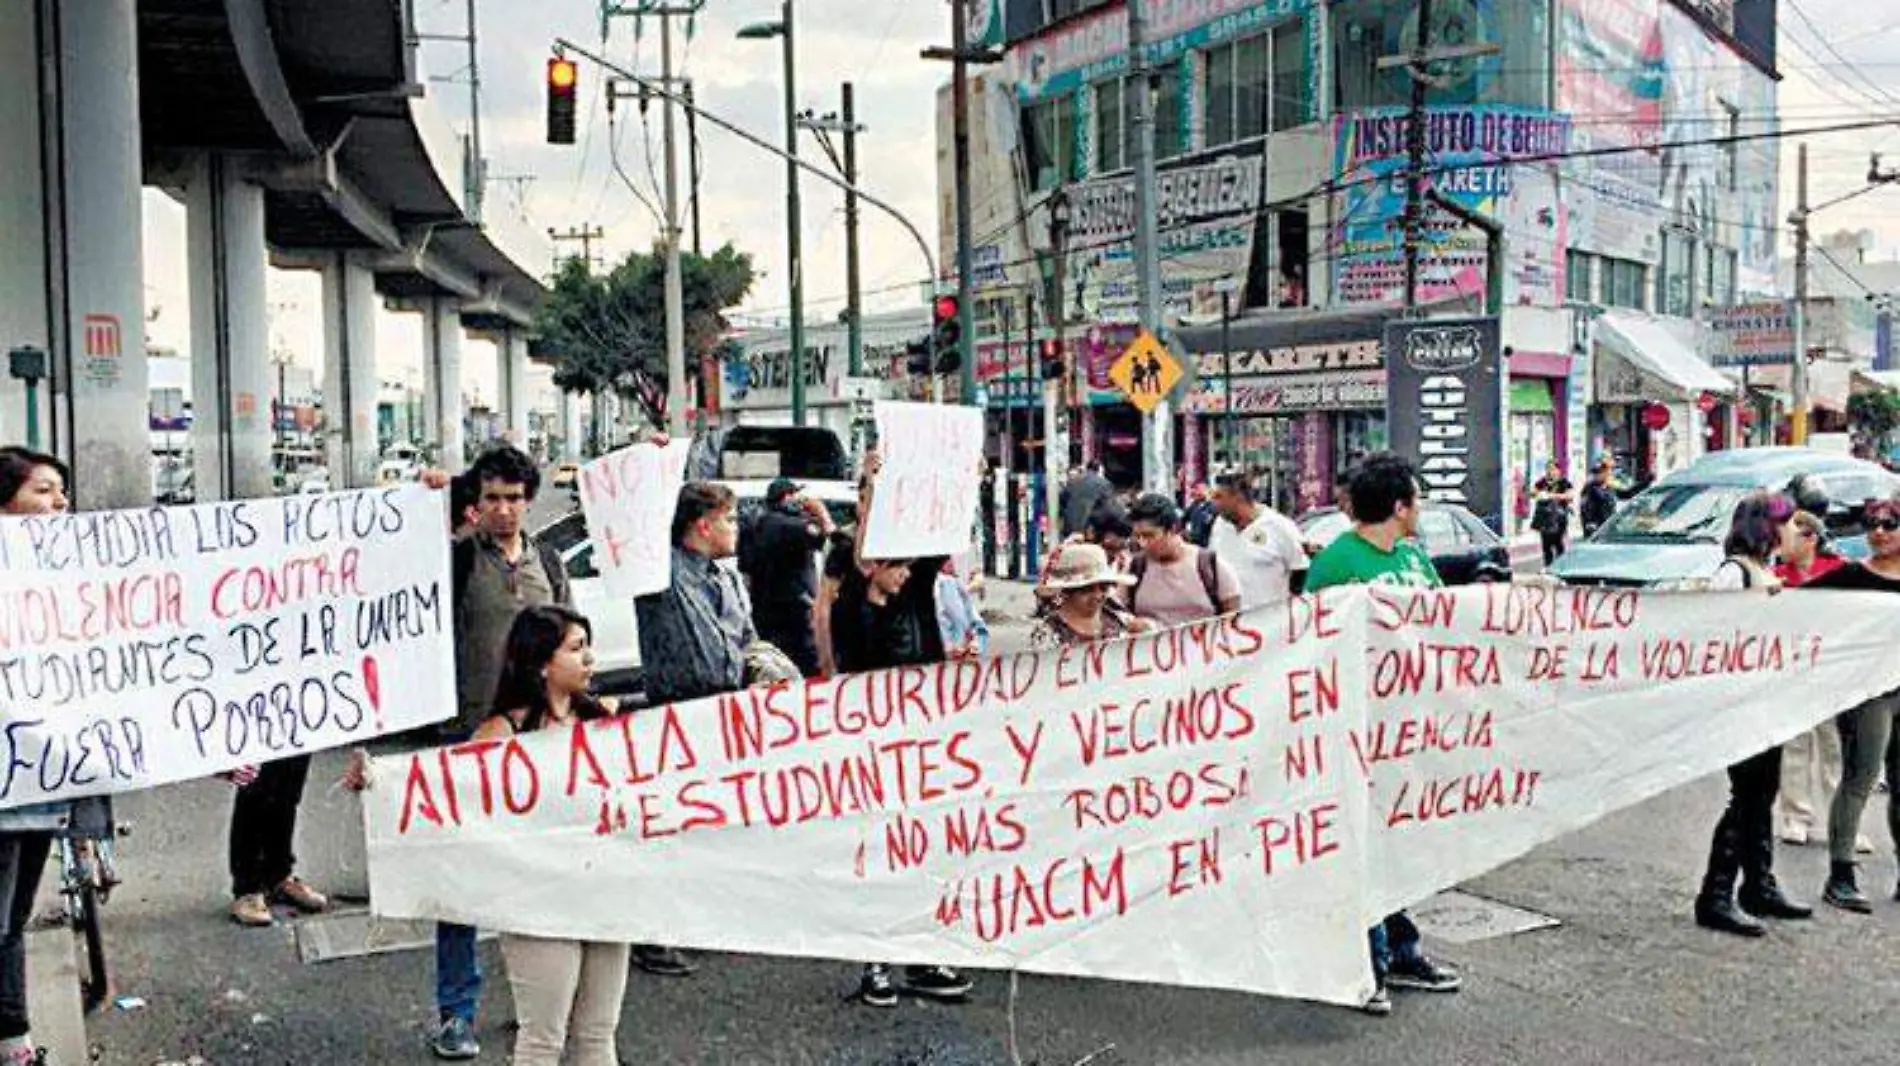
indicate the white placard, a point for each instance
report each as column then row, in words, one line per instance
column 628, row 498
column 926, row 495
column 139, row 648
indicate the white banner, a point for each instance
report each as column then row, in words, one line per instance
column 1190, row 807
column 925, row 502
column 628, row 498
column 139, row 648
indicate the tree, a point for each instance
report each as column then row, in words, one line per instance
column 1874, row 414
column 608, row 331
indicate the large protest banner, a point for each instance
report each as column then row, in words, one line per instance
column 628, row 498
column 926, row 496
column 143, row 647
column 1115, row 810
column 1191, row 807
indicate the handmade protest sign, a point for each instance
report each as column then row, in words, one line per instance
column 1121, row 809
column 1503, row 716
column 628, row 498
column 925, row 500
column 144, row 647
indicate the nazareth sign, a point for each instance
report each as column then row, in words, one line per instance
column 1445, row 409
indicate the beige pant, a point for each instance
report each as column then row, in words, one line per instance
column 567, row 992
column 1810, row 772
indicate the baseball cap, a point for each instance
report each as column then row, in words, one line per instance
column 779, row 489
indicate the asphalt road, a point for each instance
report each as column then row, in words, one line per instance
column 1625, row 979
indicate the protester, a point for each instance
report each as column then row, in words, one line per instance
column 1551, row 516
column 465, row 497
column 496, row 570
column 30, row 483
column 779, row 560
column 567, row 993
column 1175, row 582
column 694, row 636
column 1380, row 549
column 1867, row 732
column 1076, row 605
column 1200, row 516
column 1599, row 497
column 965, row 634
column 1744, row 841
column 1263, row 546
column 1811, row 762
column 1085, row 491
column 884, row 616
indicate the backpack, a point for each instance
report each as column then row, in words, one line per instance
column 1205, row 565
column 462, row 564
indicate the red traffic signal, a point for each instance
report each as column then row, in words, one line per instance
column 1051, row 359
column 947, row 333
column 944, row 310
column 563, row 78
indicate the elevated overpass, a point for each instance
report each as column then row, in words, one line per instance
column 297, row 133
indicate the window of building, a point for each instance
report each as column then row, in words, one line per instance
column 1366, row 31
column 1170, row 134
column 1049, row 142
column 1722, row 285
column 1579, row 270
column 1257, row 85
column 1113, row 135
column 1623, row 282
column 1676, row 283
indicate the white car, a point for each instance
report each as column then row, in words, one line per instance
column 617, row 666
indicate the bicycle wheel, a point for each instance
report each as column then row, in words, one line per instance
column 94, row 983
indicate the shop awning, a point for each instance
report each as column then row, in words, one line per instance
column 1654, row 349
column 1530, row 397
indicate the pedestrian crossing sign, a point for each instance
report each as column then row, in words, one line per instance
column 1145, row 372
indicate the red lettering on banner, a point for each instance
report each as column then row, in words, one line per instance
column 578, row 749
column 1291, row 841
column 1549, row 663
column 1550, row 611
column 416, row 797
column 479, row 750
column 1307, row 616
column 91, row 611
column 1312, row 693
column 1025, row 751
column 1198, row 857
column 259, row 589
column 1394, row 609
column 1065, row 890
column 1602, row 662
column 999, row 831
column 1408, row 671
column 1741, row 653
column 518, row 766
column 1437, row 799
column 1142, row 798
column 1196, row 716
column 1304, row 757
column 1445, row 731
column 448, row 786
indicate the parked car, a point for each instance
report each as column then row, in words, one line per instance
column 1670, row 534
column 1463, row 549
column 617, row 668
column 567, row 475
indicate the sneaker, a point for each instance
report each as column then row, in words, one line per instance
column 252, row 911
column 875, row 988
column 1420, row 974
column 1379, row 1005
column 455, row 1041
column 295, row 893
column 935, row 982
column 662, row 961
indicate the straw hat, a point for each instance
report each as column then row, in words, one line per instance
column 1078, row 566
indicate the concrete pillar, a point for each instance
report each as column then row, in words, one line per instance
column 512, row 379
column 349, row 372
column 570, row 426
column 232, row 379
column 71, row 277
column 442, row 374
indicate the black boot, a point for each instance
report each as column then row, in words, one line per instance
column 1715, row 905
column 1843, row 892
column 1761, row 894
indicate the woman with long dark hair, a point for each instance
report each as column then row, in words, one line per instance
column 31, row 483
column 567, row 992
column 1744, row 842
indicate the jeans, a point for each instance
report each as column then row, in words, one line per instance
column 567, row 994
column 1394, row 940
column 22, row 861
column 458, row 972
column 263, row 823
column 1867, row 739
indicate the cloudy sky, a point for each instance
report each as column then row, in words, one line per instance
column 1851, row 74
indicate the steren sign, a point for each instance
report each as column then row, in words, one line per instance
column 1444, row 405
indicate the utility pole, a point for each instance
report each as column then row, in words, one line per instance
column 692, row 162
column 1008, row 456
column 1798, row 420
column 476, row 175
column 675, row 300
column 1415, row 155
column 960, row 162
column 844, row 123
column 1157, row 428
column 1055, row 459
column 585, row 236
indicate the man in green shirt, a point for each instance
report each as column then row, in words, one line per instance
column 1380, row 549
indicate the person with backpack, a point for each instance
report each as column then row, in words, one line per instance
column 1744, row 841
column 1175, row 582
column 1551, row 516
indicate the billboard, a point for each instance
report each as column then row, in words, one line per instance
column 1444, row 409
column 1757, row 334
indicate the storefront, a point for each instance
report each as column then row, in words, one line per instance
column 1655, row 396
column 1536, row 434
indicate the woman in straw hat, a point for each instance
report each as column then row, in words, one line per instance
column 1076, row 606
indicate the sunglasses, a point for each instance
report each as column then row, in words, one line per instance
column 1889, row 524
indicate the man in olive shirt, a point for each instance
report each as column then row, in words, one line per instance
column 1380, row 550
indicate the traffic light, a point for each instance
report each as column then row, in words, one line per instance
column 563, row 77
column 945, row 334
column 1051, row 360
column 918, row 358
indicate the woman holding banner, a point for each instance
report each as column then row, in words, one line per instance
column 1744, row 842
column 30, row 483
column 566, row 991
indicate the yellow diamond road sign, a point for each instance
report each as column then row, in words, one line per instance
column 1145, row 372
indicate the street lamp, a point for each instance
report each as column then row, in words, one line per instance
column 759, row 31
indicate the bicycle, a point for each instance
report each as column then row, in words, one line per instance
column 88, row 874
